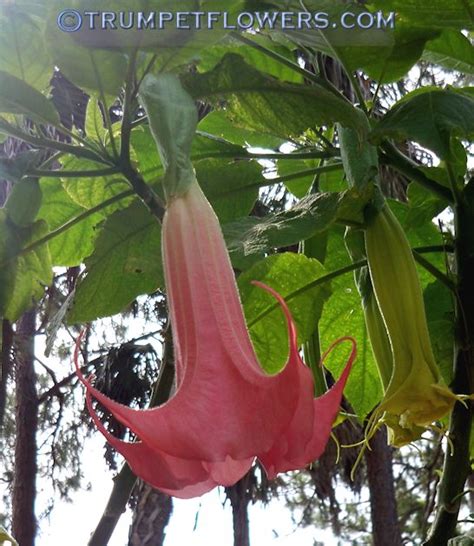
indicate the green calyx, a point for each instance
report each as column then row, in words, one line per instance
column 173, row 117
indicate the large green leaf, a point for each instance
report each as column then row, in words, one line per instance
column 209, row 57
column 435, row 13
column 22, row 277
column 451, row 50
column 343, row 316
column 90, row 191
column 286, row 273
column 73, row 245
column 440, row 316
column 429, row 117
column 24, row 201
column 95, row 70
column 260, row 102
column 251, row 237
column 22, row 50
column 216, row 123
column 126, row 262
column 17, row 97
column 231, row 187
column 386, row 50
column 331, row 179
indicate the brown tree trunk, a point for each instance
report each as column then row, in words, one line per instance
column 239, row 497
column 5, row 366
column 383, row 505
column 26, row 414
column 150, row 517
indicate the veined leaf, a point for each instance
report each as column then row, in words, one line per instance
column 451, row 50
column 285, row 273
column 126, row 262
column 17, row 97
column 22, row 278
column 262, row 103
column 429, row 117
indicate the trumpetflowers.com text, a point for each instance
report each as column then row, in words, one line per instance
column 71, row 20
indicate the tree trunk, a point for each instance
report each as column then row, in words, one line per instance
column 5, row 366
column 26, row 414
column 239, row 497
column 150, row 517
column 383, row 506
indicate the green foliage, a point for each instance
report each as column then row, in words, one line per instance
column 262, row 103
column 430, row 117
column 436, row 13
column 17, row 97
column 57, row 209
column 23, row 277
column 288, row 274
column 451, row 50
column 126, row 262
column 22, row 50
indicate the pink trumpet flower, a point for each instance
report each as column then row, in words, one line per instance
column 226, row 410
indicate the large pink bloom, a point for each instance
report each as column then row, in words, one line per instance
column 226, row 410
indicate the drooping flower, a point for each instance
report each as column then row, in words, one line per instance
column 415, row 394
column 226, row 410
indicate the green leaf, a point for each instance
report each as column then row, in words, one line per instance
column 204, row 146
column 218, row 124
column 173, row 118
column 285, row 273
column 259, row 102
column 440, row 316
column 436, row 13
column 343, row 316
column 24, row 201
column 94, row 125
column 126, row 262
column 236, row 197
column 94, row 70
column 429, row 117
column 259, row 235
column 17, row 97
column 71, row 247
column 251, row 236
column 22, row 50
column 209, row 57
column 22, row 278
column 451, row 50
column 90, row 191
column 390, row 63
column 386, row 51
column 332, row 180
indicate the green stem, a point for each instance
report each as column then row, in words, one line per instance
column 134, row 178
column 127, row 118
column 68, row 225
column 317, row 282
column 290, row 64
column 437, row 274
column 108, row 121
column 39, row 142
column 329, row 277
column 38, row 173
column 258, row 155
column 278, row 179
column 457, row 460
column 393, row 157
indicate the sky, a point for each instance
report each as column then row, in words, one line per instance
column 204, row 521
